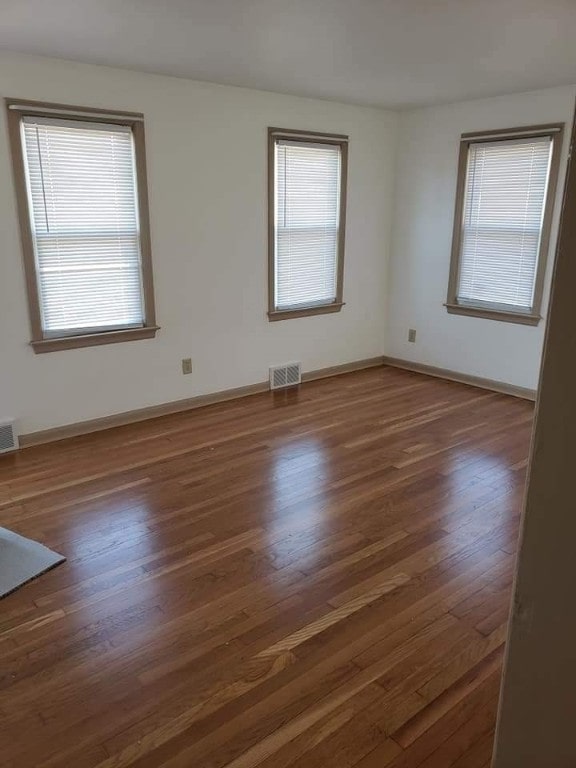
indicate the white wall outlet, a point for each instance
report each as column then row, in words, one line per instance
column 186, row 365
column 412, row 334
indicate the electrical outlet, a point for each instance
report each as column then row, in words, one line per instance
column 187, row 365
column 412, row 334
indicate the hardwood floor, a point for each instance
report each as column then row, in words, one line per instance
column 307, row 578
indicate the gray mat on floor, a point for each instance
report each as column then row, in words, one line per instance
column 22, row 560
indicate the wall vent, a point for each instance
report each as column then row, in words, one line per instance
column 8, row 437
column 285, row 375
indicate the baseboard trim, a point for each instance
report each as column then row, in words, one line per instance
column 462, row 378
column 179, row 406
column 337, row 370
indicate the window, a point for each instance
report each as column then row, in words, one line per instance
column 80, row 178
column 307, row 210
column 504, row 201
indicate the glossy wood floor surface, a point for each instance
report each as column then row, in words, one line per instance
column 313, row 578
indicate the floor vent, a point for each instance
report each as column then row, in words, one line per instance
column 285, row 375
column 8, row 437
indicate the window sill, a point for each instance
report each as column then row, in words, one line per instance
column 93, row 339
column 521, row 318
column 286, row 314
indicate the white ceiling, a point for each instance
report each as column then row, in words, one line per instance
column 392, row 53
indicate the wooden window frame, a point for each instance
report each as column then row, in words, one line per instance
column 316, row 137
column 533, row 317
column 16, row 110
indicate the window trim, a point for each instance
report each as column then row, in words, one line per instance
column 16, row 109
column 533, row 317
column 318, row 138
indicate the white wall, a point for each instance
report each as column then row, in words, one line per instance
column 206, row 150
column 424, row 210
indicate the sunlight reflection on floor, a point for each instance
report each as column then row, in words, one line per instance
column 300, row 471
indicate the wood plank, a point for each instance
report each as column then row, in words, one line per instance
column 306, row 578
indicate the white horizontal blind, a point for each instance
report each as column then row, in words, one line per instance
column 506, row 185
column 307, row 219
column 84, row 215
